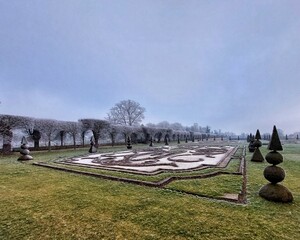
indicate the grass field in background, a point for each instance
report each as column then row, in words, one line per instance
column 41, row 203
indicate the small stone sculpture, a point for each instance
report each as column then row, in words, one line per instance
column 274, row 174
column 24, row 151
column 166, row 140
column 151, row 142
column 92, row 149
column 129, row 143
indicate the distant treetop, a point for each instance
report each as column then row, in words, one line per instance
column 126, row 112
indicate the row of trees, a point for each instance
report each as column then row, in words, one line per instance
column 123, row 119
column 50, row 129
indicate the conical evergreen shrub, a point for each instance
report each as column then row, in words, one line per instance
column 257, row 156
column 275, row 143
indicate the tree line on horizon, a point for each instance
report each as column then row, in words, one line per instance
column 123, row 119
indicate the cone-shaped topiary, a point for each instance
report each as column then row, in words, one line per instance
column 275, row 143
column 257, row 156
column 257, row 135
column 273, row 191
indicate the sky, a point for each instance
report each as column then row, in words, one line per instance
column 232, row 65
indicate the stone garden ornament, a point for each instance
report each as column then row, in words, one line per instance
column 24, row 151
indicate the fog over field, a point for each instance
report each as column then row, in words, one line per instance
column 232, row 65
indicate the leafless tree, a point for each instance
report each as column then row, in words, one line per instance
column 176, row 126
column 152, row 130
column 112, row 131
column 48, row 128
column 74, row 129
column 163, row 125
column 96, row 126
column 126, row 130
column 126, row 112
column 27, row 124
column 62, row 131
column 7, row 124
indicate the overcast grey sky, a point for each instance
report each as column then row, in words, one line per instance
column 233, row 65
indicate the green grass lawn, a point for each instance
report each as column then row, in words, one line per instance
column 41, row 203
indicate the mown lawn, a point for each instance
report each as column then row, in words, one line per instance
column 41, row 203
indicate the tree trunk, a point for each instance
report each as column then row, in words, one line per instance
column 62, row 133
column 36, row 136
column 112, row 140
column 82, row 136
column 36, row 144
column 7, row 139
column 49, row 145
column 74, row 142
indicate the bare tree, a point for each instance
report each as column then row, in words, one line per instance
column 27, row 124
column 176, row 126
column 7, row 124
column 74, row 129
column 62, row 131
column 163, row 124
column 145, row 133
column 48, row 128
column 126, row 112
column 112, row 131
column 96, row 126
column 152, row 130
column 126, row 131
